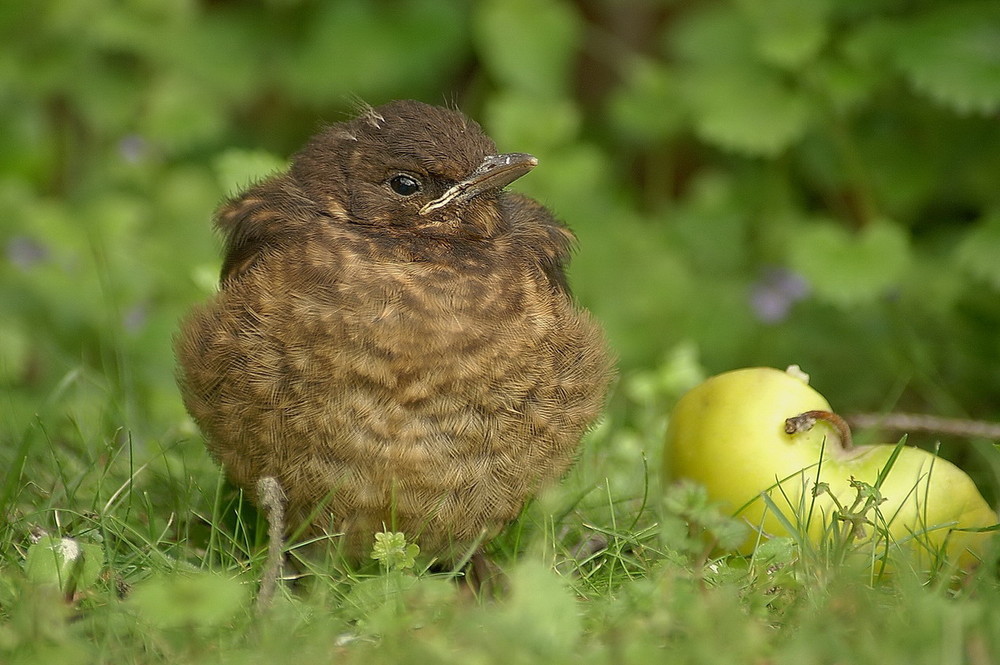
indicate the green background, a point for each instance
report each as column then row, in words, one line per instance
column 797, row 181
column 752, row 183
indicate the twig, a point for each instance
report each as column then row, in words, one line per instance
column 916, row 422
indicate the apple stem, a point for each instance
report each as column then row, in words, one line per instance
column 805, row 422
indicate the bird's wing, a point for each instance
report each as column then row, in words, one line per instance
column 265, row 217
column 541, row 235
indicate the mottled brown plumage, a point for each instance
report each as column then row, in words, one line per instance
column 393, row 339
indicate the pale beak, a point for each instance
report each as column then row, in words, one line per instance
column 496, row 172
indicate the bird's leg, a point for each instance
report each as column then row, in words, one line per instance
column 483, row 577
column 272, row 500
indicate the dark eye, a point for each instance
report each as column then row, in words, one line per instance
column 404, row 185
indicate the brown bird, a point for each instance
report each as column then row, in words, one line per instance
column 393, row 339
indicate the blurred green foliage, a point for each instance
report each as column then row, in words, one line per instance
column 753, row 183
column 797, row 181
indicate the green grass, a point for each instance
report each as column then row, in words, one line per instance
column 603, row 569
column 814, row 181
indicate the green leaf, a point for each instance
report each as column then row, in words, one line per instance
column 27, row 146
column 376, row 50
column 635, row 319
column 225, row 49
column 847, row 268
column 787, row 33
column 238, row 169
column 529, row 45
column 65, row 562
column 733, row 98
column 40, row 627
column 393, row 552
column 712, row 34
column 541, row 612
column 646, row 106
column 746, row 108
column 845, row 85
column 15, row 352
column 775, row 551
column 687, row 503
column 522, row 122
column 979, row 250
column 711, row 210
column 952, row 54
column 198, row 601
column 181, row 112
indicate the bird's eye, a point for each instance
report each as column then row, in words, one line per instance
column 404, row 185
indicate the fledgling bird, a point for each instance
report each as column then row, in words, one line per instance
column 393, row 339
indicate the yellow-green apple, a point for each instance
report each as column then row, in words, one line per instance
column 730, row 434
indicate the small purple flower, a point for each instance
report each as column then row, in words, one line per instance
column 773, row 295
column 135, row 318
column 133, row 148
column 25, row 252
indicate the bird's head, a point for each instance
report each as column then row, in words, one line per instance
column 409, row 165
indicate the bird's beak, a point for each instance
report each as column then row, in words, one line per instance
column 495, row 172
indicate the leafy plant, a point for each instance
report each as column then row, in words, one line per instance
column 797, row 181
